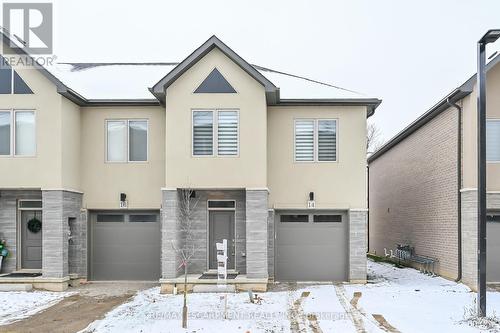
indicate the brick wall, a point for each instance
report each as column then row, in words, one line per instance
column 469, row 238
column 413, row 194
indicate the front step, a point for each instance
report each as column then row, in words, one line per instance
column 16, row 287
column 214, row 288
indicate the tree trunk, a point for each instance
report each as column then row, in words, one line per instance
column 184, row 308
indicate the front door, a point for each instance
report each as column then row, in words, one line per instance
column 31, row 239
column 221, row 226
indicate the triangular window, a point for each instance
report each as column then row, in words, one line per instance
column 20, row 87
column 10, row 81
column 215, row 83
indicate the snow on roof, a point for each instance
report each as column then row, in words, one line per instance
column 298, row 87
column 132, row 80
column 111, row 81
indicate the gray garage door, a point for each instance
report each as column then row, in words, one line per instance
column 125, row 245
column 311, row 246
column 493, row 248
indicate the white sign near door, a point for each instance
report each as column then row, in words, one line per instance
column 221, row 262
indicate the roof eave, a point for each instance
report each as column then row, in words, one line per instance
column 457, row 94
column 441, row 106
column 370, row 103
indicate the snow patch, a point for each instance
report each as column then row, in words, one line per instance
column 16, row 305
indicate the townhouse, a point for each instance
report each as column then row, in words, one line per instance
column 94, row 158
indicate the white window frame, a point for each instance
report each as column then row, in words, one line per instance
column 221, row 208
column 215, row 133
column 20, row 201
column 12, row 147
column 497, row 120
column 127, row 140
column 315, row 139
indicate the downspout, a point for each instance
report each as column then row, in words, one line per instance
column 459, row 185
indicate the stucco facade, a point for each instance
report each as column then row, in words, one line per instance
column 80, row 190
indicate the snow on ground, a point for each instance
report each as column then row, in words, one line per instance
column 414, row 302
column 408, row 300
column 15, row 305
column 151, row 312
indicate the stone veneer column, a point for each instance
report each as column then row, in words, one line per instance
column 469, row 237
column 357, row 244
column 77, row 252
column 256, row 233
column 270, row 248
column 169, row 233
column 57, row 207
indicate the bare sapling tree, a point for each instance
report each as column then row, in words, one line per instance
column 373, row 138
column 188, row 245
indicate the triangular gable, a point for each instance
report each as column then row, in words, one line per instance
column 215, row 83
column 213, row 42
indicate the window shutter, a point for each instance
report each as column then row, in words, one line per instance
column 227, row 143
column 304, row 140
column 327, row 140
column 203, row 133
column 493, row 140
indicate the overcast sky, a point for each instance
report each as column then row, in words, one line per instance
column 408, row 53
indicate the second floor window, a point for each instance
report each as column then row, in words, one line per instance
column 127, row 140
column 215, row 132
column 493, row 140
column 17, row 133
column 315, row 140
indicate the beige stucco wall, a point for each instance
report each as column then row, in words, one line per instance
column 469, row 125
column 55, row 117
column 102, row 182
column 70, row 150
column 248, row 170
column 339, row 185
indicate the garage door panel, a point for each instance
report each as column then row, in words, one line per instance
column 122, row 234
column 135, row 271
column 124, row 254
column 493, row 250
column 322, row 236
column 125, row 250
column 308, row 251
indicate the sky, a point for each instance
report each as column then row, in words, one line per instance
column 410, row 54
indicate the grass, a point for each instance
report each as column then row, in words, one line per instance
column 376, row 258
column 487, row 323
